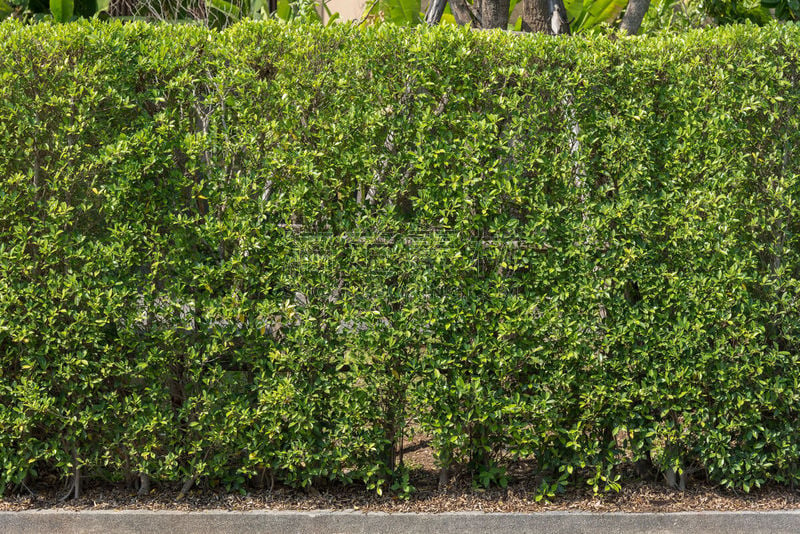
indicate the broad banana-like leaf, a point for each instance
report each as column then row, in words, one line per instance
column 284, row 11
column 609, row 13
column 222, row 13
column 254, row 9
column 403, row 12
column 408, row 11
column 295, row 9
column 586, row 14
column 5, row 9
column 230, row 10
column 62, row 10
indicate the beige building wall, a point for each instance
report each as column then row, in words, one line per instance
column 347, row 9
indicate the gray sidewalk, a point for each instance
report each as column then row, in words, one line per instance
column 169, row 522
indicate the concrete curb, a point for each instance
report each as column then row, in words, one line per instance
column 328, row 522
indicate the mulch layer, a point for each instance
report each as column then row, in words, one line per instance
column 636, row 495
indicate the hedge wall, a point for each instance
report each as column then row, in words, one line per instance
column 273, row 252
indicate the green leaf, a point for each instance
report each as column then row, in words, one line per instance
column 401, row 12
column 5, row 9
column 586, row 14
column 227, row 8
column 62, row 10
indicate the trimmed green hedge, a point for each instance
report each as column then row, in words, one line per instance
column 271, row 253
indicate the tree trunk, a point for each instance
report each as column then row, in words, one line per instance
column 634, row 14
column 494, row 14
column 536, row 16
column 78, row 483
column 435, row 11
column 144, row 485
column 545, row 16
column 465, row 14
column 187, row 485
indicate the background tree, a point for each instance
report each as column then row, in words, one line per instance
column 554, row 17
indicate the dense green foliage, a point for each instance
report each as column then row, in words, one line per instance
column 276, row 250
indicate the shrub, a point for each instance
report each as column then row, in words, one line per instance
column 275, row 251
